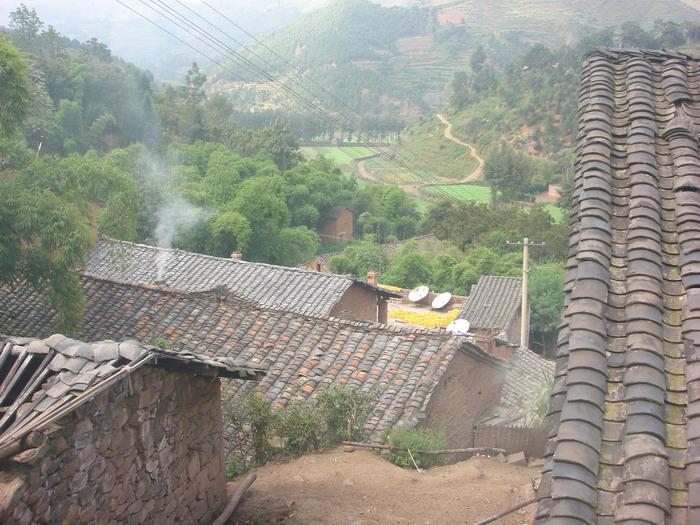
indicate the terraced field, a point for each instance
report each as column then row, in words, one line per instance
column 465, row 192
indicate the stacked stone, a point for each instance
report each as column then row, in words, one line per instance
column 147, row 450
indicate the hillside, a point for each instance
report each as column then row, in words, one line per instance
column 398, row 61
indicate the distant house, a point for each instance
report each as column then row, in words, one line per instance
column 493, row 311
column 268, row 286
column 414, row 375
column 337, row 225
column 110, row 432
column 424, row 243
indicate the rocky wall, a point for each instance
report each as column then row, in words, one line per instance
column 147, row 450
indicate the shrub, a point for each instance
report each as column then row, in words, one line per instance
column 299, row 425
column 415, row 439
column 250, row 424
column 344, row 412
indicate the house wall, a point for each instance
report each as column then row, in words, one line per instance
column 147, row 450
column 468, row 387
column 338, row 228
column 358, row 303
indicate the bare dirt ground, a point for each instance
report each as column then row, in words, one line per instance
column 361, row 488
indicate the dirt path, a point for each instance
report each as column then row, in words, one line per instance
column 360, row 488
column 478, row 172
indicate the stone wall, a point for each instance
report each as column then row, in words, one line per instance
column 147, row 450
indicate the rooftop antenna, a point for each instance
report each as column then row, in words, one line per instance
column 524, row 314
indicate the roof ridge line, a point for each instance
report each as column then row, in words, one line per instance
column 221, row 292
column 295, row 269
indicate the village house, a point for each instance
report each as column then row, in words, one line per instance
column 268, row 286
column 337, row 225
column 111, row 432
column 493, row 310
column 515, row 424
column 417, row 377
column 624, row 445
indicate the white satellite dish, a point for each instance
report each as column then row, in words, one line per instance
column 458, row 327
column 441, row 300
column 418, row 294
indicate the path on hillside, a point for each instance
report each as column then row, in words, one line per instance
column 478, row 172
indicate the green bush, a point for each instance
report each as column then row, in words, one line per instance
column 299, row 425
column 343, row 412
column 251, row 423
column 415, row 439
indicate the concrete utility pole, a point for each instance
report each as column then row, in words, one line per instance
column 524, row 314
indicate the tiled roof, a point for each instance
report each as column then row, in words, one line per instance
column 299, row 353
column 625, row 409
column 40, row 380
column 493, row 302
column 525, row 371
column 268, row 286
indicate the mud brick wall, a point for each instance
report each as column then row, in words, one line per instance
column 147, row 450
column 469, row 387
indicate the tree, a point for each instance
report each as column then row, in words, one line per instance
column 409, row 268
column 359, row 258
column 546, row 292
column 43, row 241
column 296, row 245
column 194, row 86
column 508, row 173
column 478, row 59
column 25, row 25
column 14, row 88
column 459, row 90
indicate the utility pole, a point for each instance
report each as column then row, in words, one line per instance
column 524, row 314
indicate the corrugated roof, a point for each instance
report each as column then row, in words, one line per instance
column 268, row 286
column 300, row 354
column 40, row 380
column 625, row 409
column 493, row 302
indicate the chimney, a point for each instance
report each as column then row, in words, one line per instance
column 237, row 256
column 372, row 278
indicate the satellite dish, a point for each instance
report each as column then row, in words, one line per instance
column 418, row 294
column 441, row 300
column 458, row 327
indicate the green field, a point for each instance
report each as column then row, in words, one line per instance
column 465, row 192
column 474, row 193
column 342, row 156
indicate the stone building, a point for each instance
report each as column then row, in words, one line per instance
column 416, row 377
column 110, row 432
column 266, row 285
column 337, row 225
column 493, row 311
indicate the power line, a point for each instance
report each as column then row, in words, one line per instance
column 207, row 38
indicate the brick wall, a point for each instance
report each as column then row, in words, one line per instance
column 468, row 387
column 147, row 450
column 358, row 303
column 338, row 228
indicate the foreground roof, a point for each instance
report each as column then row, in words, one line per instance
column 300, row 354
column 625, row 409
column 268, row 286
column 493, row 302
column 41, row 380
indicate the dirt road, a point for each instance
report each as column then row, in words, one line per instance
column 360, row 488
column 478, row 172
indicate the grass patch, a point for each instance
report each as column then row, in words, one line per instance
column 465, row 192
column 342, row 156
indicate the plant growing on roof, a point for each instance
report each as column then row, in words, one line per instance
column 344, row 412
column 535, row 404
